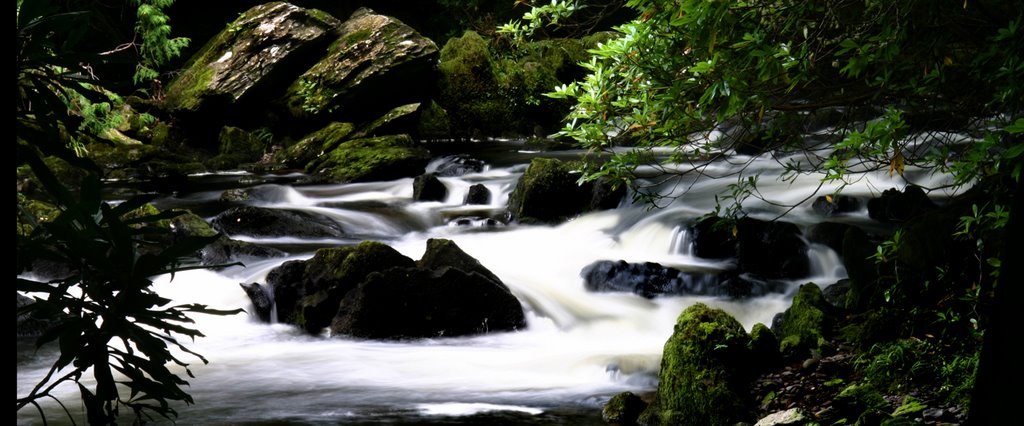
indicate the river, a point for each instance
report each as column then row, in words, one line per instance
column 578, row 349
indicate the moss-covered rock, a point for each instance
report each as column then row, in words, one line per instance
column 302, row 153
column 307, row 293
column 376, row 64
column 623, row 409
column 491, row 90
column 247, row 64
column 237, row 147
column 433, row 122
column 400, row 120
column 380, row 158
column 806, row 323
column 705, row 372
column 548, row 192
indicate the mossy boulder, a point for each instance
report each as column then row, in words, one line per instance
column 764, row 347
column 249, row 62
column 372, row 159
column 222, row 250
column 491, row 90
column 315, row 144
column 375, row 64
column 237, row 147
column 705, row 372
column 548, row 192
column 623, row 409
column 806, row 324
column 400, row 120
column 433, row 122
column 307, row 293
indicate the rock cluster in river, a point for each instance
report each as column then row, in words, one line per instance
column 372, row 291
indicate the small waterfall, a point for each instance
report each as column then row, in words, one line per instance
column 681, row 242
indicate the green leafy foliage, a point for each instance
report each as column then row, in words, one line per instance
column 681, row 69
column 108, row 319
column 113, row 323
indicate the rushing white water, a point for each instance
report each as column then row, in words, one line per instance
column 578, row 348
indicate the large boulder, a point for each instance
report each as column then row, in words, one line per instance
column 401, row 303
column 771, row 249
column 894, row 206
column 376, row 64
column 372, row 291
column 549, row 192
column 448, row 293
column 307, row 293
column 224, row 249
column 249, row 61
column 705, row 373
column 372, row 159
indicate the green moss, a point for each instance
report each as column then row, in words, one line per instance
column 302, row 153
column 433, row 122
column 805, row 324
column 357, row 36
column 190, row 224
column 704, row 377
column 186, row 92
column 381, row 158
column 31, row 212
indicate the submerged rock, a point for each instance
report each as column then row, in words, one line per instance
column 268, row 222
column 651, row 280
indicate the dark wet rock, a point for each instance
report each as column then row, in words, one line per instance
column 548, row 192
column 771, row 249
column 478, row 194
column 828, row 205
column 713, row 238
column 268, row 222
column 896, row 207
column 262, row 302
column 837, row 294
column 35, row 319
column 764, row 347
column 402, row 303
column 221, row 251
column 287, row 284
column 830, row 234
column 427, row 187
column 651, row 280
column 442, row 253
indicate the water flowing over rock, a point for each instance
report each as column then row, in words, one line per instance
column 267, row 222
column 377, row 63
column 651, row 280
